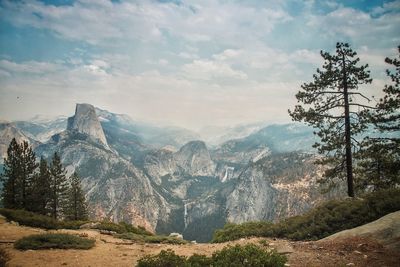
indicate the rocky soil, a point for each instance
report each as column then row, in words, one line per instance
column 110, row 251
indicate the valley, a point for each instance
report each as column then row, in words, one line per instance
column 169, row 180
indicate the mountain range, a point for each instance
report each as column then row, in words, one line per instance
column 169, row 179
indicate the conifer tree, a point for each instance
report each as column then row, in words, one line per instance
column 19, row 169
column 28, row 167
column 11, row 174
column 380, row 157
column 41, row 193
column 76, row 207
column 329, row 105
column 58, row 187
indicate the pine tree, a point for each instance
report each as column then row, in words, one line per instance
column 58, row 187
column 41, row 193
column 11, row 174
column 380, row 157
column 329, row 106
column 19, row 169
column 28, row 167
column 76, row 207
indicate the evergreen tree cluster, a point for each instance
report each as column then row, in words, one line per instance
column 341, row 114
column 42, row 188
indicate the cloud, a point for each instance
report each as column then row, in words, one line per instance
column 357, row 26
column 208, row 70
column 187, row 62
column 99, row 22
column 29, row 67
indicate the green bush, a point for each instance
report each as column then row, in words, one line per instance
column 131, row 236
column 110, row 226
column 166, row 258
column 48, row 241
column 121, row 228
column 249, row 255
column 164, row 239
column 233, row 231
column 71, row 224
column 329, row 218
column 29, row 218
column 197, row 260
column 151, row 239
column 136, row 230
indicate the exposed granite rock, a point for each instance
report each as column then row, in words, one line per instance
column 85, row 121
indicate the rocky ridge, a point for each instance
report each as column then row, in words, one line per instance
column 85, row 121
column 191, row 190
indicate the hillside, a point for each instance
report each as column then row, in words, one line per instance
column 111, row 251
column 167, row 180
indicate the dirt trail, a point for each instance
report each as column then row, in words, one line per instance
column 110, row 251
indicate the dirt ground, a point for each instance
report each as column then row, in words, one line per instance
column 110, row 251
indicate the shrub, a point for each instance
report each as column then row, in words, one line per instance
column 131, row 236
column 121, row 228
column 29, row 218
column 235, row 231
column 240, row 256
column 166, row 258
column 71, row 224
column 197, row 260
column 48, row 241
column 3, row 257
column 136, row 230
column 164, row 240
column 249, row 255
column 110, row 226
column 329, row 218
column 151, row 239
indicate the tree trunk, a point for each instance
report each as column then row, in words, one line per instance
column 349, row 161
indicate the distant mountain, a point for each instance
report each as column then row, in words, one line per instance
column 8, row 131
column 114, row 187
column 85, row 121
column 169, row 180
column 42, row 129
column 148, row 134
column 277, row 186
column 215, row 136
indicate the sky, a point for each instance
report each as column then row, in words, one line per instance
column 184, row 63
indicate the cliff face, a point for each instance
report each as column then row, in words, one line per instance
column 189, row 190
column 276, row 187
column 193, row 159
column 115, row 189
column 85, row 121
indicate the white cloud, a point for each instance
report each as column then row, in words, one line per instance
column 29, row 67
column 99, row 22
column 190, row 63
column 187, row 55
column 4, row 73
column 358, row 26
column 208, row 70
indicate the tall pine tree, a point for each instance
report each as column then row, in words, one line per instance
column 28, row 167
column 41, row 193
column 76, row 208
column 58, row 187
column 19, row 169
column 11, row 174
column 380, row 157
column 329, row 104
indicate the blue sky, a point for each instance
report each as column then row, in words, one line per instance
column 186, row 63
